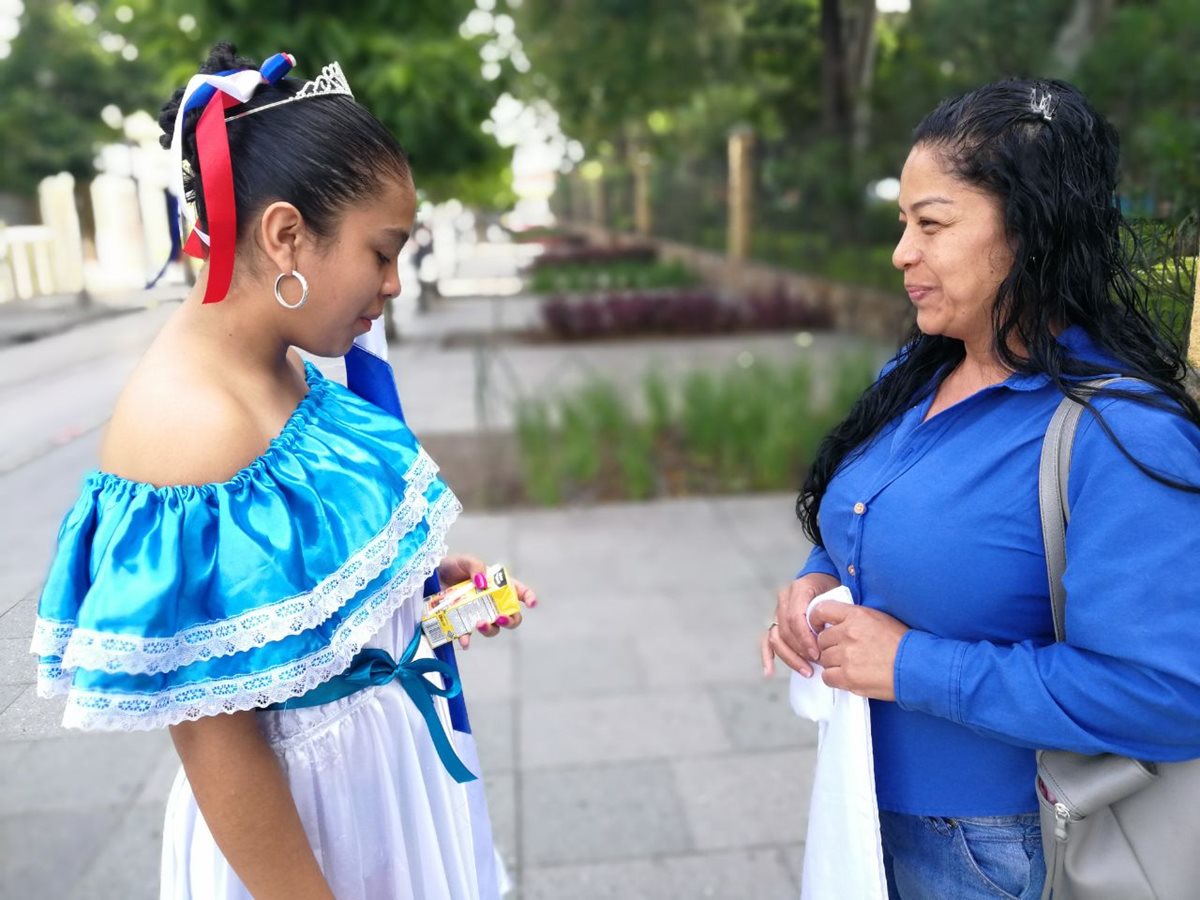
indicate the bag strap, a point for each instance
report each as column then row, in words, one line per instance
column 1054, row 469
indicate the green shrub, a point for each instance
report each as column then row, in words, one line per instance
column 536, row 438
column 1172, row 283
column 580, row 453
column 701, row 415
column 658, row 401
column 816, row 253
column 623, row 276
column 634, row 452
column 756, row 426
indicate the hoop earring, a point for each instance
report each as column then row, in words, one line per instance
column 303, row 288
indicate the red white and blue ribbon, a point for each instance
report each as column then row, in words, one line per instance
column 215, row 94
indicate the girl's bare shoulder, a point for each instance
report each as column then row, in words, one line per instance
column 176, row 424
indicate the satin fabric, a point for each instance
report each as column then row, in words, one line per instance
column 374, row 667
column 171, row 603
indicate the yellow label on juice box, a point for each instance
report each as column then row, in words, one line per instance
column 459, row 608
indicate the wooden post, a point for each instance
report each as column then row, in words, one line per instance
column 643, row 214
column 592, row 173
column 1194, row 338
column 599, row 203
column 741, row 195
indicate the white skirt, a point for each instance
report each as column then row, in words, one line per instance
column 384, row 818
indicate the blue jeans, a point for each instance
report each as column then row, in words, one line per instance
column 934, row 858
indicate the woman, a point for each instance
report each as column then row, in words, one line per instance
column 248, row 567
column 924, row 502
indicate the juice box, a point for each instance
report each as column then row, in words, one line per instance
column 458, row 609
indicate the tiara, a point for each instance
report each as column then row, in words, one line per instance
column 330, row 82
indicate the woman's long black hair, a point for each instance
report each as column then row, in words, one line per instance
column 1073, row 265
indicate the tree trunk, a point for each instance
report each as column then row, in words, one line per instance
column 835, row 96
column 1193, row 354
column 864, row 76
column 1077, row 33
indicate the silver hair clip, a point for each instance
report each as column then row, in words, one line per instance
column 1042, row 103
column 331, row 81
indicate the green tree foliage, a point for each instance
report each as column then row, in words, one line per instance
column 675, row 79
column 946, row 47
column 1143, row 71
column 52, row 89
column 406, row 62
column 608, row 66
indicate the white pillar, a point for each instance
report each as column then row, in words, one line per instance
column 56, row 197
column 29, row 253
column 8, row 284
column 121, row 258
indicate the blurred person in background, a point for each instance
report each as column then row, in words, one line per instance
column 426, row 265
column 924, row 501
column 248, row 566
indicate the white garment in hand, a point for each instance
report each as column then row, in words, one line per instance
column 843, row 857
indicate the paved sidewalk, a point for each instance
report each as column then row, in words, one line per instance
column 631, row 748
column 25, row 321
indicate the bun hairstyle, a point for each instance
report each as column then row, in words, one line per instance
column 322, row 154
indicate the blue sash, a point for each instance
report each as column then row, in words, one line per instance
column 373, row 667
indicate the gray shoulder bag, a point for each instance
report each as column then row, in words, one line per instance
column 1113, row 828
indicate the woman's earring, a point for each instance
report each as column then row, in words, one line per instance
column 303, row 290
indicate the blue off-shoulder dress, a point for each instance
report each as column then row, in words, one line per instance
column 166, row 604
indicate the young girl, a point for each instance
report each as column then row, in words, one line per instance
column 247, row 568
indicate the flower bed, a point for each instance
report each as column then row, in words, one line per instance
column 687, row 312
column 618, row 276
column 593, row 255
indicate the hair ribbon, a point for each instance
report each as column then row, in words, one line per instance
column 215, row 94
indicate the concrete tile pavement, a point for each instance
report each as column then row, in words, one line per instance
column 630, row 746
column 649, row 759
column 27, row 320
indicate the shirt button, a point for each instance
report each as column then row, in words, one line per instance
column 860, row 508
column 851, row 570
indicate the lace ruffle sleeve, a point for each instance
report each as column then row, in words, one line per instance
column 170, row 603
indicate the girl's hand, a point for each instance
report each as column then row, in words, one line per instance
column 461, row 568
column 858, row 648
column 791, row 639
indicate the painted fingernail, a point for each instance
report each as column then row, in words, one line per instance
column 502, row 620
column 481, row 626
column 480, row 580
column 532, row 602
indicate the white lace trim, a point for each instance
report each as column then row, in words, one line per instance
column 138, row 712
column 108, row 651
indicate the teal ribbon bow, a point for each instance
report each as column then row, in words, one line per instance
column 373, row 667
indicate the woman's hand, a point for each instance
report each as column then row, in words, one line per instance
column 454, row 569
column 858, row 648
column 791, row 639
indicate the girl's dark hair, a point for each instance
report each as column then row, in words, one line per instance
column 1073, row 265
column 321, row 154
